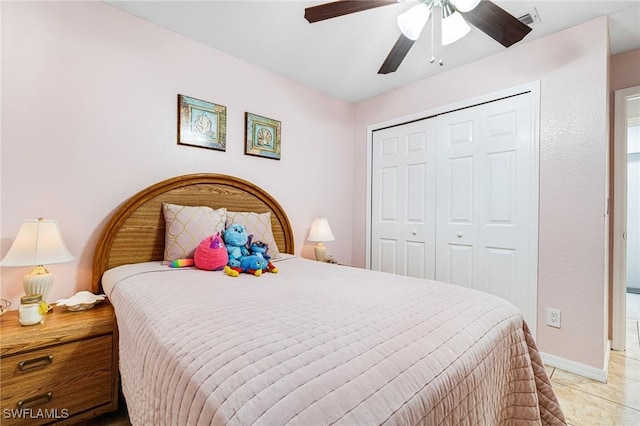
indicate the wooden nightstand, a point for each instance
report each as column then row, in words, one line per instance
column 63, row 370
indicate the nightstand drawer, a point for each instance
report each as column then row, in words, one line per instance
column 57, row 382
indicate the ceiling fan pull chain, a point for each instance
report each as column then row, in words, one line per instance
column 441, row 14
column 436, row 35
column 433, row 58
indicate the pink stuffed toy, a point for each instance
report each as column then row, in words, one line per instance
column 211, row 254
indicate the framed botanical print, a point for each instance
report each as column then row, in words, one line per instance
column 201, row 123
column 262, row 136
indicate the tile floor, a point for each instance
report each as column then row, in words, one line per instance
column 585, row 402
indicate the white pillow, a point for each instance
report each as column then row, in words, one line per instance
column 186, row 226
column 258, row 225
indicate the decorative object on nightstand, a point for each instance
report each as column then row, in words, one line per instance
column 39, row 242
column 81, row 301
column 320, row 231
column 330, row 259
column 32, row 309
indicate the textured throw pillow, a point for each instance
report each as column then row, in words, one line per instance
column 258, row 225
column 186, row 226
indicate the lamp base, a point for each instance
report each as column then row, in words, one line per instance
column 38, row 281
column 321, row 252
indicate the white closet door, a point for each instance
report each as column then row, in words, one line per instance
column 403, row 193
column 484, row 213
column 457, row 210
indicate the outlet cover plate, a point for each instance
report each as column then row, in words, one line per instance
column 553, row 317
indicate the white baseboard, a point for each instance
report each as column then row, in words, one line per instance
column 579, row 368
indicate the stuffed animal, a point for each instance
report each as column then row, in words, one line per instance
column 211, row 254
column 236, row 238
column 181, row 263
column 248, row 264
column 260, row 249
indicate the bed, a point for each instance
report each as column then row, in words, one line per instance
column 314, row 344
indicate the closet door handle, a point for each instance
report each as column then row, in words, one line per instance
column 459, row 235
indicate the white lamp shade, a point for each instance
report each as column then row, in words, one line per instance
column 39, row 242
column 454, row 27
column 413, row 21
column 320, row 230
column 465, row 5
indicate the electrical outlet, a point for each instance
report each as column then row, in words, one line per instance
column 553, row 317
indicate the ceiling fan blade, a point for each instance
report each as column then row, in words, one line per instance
column 497, row 23
column 341, row 7
column 396, row 55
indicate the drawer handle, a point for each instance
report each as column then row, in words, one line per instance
column 30, row 364
column 35, row 400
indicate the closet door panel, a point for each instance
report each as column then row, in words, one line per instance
column 387, row 249
column 505, row 215
column 459, row 261
column 483, row 200
column 501, row 272
column 403, row 193
column 456, row 187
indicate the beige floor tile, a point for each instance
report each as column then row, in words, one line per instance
column 633, row 353
column 583, row 409
column 617, row 389
column 622, row 365
column 633, row 339
column 633, row 331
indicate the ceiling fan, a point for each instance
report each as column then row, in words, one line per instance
column 448, row 25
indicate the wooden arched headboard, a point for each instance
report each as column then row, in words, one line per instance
column 135, row 232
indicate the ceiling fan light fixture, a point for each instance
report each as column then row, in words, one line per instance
column 454, row 27
column 413, row 21
column 465, row 5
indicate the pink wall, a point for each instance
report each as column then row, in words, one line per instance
column 572, row 69
column 89, row 96
column 625, row 70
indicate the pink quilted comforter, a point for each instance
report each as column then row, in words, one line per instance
column 320, row 344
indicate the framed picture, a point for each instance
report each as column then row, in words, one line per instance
column 202, row 123
column 262, row 136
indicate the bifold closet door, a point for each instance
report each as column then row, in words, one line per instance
column 484, row 195
column 403, row 195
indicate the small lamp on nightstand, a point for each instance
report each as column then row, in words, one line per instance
column 320, row 231
column 38, row 242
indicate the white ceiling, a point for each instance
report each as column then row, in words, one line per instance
column 341, row 56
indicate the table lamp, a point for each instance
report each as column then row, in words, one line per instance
column 38, row 242
column 320, row 231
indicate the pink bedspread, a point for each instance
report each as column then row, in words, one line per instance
column 320, row 344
